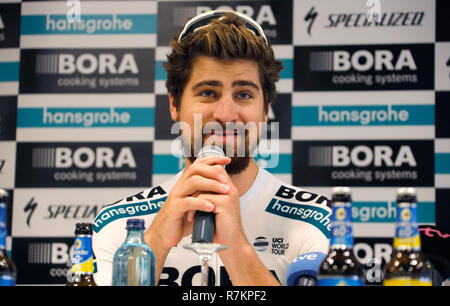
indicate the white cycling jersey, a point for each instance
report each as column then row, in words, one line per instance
column 280, row 221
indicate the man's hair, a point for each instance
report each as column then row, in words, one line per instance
column 224, row 38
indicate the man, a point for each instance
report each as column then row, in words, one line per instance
column 222, row 69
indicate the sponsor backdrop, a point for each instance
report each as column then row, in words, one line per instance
column 84, row 116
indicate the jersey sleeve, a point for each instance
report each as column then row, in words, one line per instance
column 315, row 241
column 109, row 226
column 105, row 242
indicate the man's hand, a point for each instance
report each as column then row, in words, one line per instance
column 229, row 230
column 174, row 220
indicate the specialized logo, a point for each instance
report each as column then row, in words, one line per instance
column 29, row 209
column 58, row 211
column 310, row 18
column 366, row 22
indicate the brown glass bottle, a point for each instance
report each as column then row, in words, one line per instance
column 82, row 260
column 7, row 266
column 340, row 267
column 407, row 266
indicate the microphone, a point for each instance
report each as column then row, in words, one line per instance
column 436, row 248
column 304, row 269
column 204, row 222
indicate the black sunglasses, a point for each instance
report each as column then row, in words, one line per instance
column 203, row 19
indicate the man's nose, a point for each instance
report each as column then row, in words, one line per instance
column 225, row 110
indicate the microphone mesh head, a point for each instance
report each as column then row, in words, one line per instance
column 210, row 151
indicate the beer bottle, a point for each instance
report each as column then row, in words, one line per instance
column 82, row 259
column 7, row 266
column 407, row 266
column 340, row 267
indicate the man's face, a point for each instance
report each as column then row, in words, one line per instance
column 226, row 95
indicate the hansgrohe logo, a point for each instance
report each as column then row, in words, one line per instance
column 364, row 115
column 115, row 212
column 89, row 24
column 314, row 215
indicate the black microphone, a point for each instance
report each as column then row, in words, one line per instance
column 205, row 222
column 436, row 248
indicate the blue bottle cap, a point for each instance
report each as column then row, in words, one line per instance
column 135, row 223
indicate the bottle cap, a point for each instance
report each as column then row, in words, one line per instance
column 83, row 229
column 135, row 223
column 3, row 194
column 341, row 194
column 406, row 194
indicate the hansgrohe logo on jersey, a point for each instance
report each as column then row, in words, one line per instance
column 127, row 210
column 317, row 216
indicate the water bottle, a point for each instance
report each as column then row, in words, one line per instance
column 134, row 261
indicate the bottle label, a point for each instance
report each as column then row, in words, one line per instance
column 407, row 230
column 7, row 280
column 83, row 259
column 341, row 225
column 340, row 281
column 2, row 226
column 406, row 281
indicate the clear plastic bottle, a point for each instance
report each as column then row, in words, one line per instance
column 134, row 261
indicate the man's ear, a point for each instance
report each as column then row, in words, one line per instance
column 173, row 108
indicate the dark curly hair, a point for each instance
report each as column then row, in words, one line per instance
column 224, row 38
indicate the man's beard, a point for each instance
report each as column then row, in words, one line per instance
column 238, row 163
column 236, row 166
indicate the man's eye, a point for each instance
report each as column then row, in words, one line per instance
column 244, row 95
column 207, row 93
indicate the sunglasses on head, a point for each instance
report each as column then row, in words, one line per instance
column 203, row 19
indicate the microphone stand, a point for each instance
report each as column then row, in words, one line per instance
column 204, row 250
